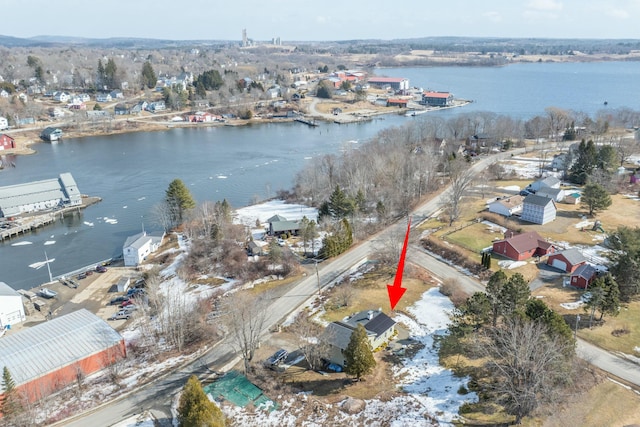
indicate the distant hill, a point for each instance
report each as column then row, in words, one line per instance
column 118, row 42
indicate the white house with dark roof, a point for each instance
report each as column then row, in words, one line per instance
column 549, row 182
column 139, row 246
column 11, row 307
column 380, row 329
column 538, row 209
column 556, row 194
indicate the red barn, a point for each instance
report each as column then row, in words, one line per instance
column 583, row 277
column 567, row 261
column 6, row 142
column 523, row 246
column 49, row 356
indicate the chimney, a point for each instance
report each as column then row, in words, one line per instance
column 370, row 314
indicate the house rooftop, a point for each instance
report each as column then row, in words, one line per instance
column 527, row 241
column 436, row 94
column 574, row 256
column 585, row 270
column 534, row 199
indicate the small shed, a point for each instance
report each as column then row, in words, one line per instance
column 583, row 277
column 568, row 260
column 572, row 198
column 123, row 284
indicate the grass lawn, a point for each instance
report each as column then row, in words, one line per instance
column 620, row 333
column 475, row 237
column 370, row 292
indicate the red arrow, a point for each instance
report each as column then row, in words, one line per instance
column 396, row 291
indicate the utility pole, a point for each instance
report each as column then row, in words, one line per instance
column 575, row 332
column 318, row 277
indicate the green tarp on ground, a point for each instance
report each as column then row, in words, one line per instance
column 237, row 389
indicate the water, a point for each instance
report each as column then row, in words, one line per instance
column 131, row 172
column 525, row 90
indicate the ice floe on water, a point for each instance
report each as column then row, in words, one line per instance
column 50, row 242
column 23, row 243
column 90, row 224
column 110, row 220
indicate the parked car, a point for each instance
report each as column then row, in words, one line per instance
column 278, row 357
column 82, row 276
column 129, row 308
column 135, row 291
column 121, row 315
column 118, row 300
column 101, row 269
column 127, row 302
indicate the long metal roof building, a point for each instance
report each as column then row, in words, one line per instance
column 39, row 195
column 50, row 346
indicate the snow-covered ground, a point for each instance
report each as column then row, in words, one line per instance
column 263, row 211
column 431, row 390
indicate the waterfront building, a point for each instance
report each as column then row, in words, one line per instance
column 39, row 196
column 138, row 247
column 11, row 307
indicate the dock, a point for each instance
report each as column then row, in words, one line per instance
column 27, row 224
column 307, row 122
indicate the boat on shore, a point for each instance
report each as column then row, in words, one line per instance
column 47, row 293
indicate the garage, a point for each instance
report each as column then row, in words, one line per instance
column 567, row 260
column 559, row 264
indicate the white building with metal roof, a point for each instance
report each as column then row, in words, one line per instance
column 139, row 246
column 49, row 356
column 11, row 307
column 39, row 195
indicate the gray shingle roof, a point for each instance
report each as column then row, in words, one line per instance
column 36, row 351
column 574, row 256
column 534, row 199
column 585, row 270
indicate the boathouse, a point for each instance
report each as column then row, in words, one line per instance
column 39, row 196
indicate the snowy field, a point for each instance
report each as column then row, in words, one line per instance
column 264, row 211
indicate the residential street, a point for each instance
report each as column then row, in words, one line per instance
column 158, row 394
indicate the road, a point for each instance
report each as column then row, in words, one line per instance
column 159, row 393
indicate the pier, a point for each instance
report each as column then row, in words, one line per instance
column 307, row 122
column 25, row 224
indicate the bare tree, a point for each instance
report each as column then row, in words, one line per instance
column 461, row 177
column 311, row 339
column 244, row 316
column 529, row 365
column 625, row 147
column 344, row 294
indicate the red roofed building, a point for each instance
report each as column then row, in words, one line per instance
column 437, row 99
column 397, row 102
column 395, row 83
column 6, row 142
column 523, row 246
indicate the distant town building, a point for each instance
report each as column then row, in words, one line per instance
column 395, row 83
column 437, row 99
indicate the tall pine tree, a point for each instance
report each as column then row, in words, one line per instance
column 195, row 409
column 358, row 355
column 10, row 405
column 179, row 200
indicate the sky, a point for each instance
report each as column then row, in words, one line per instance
column 303, row 20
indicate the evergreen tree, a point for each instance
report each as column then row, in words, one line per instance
column 514, row 294
column 586, row 162
column 477, row 310
column 195, row 409
column 148, row 77
column 358, row 355
column 210, row 80
column 101, row 75
column 10, row 406
column 110, row 73
column 340, row 204
column 625, row 260
column 494, row 291
column 537, row 310
column 605, row 297
column 179, row 200
column 595, row 198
